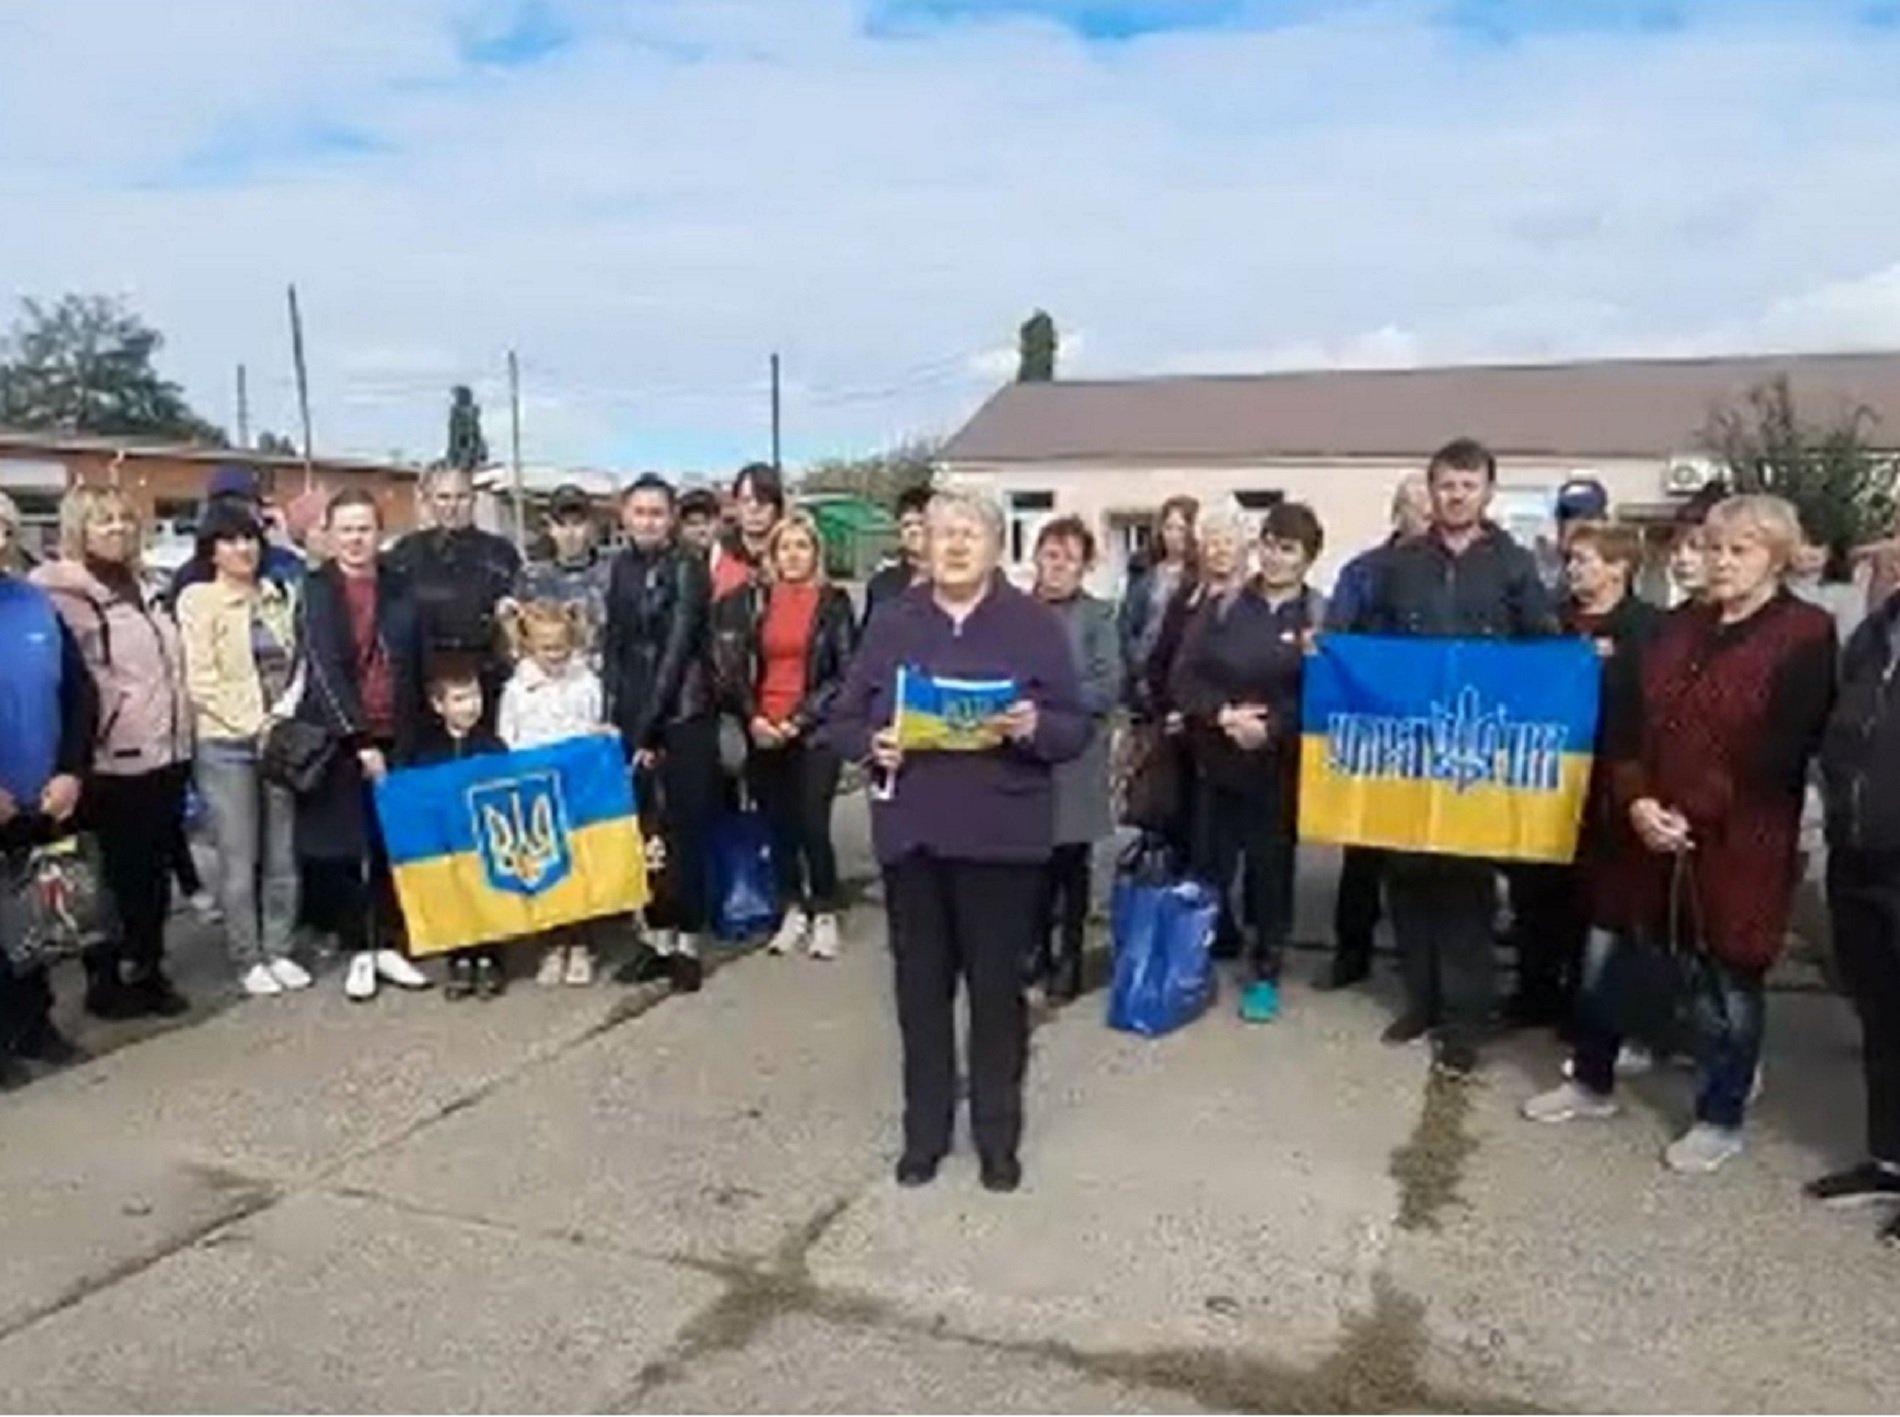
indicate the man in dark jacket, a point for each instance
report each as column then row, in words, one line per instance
column 657, row 674
column 1860, row 766
column 48, row 714
column 891, row 581
column 1465, row 578
column 459, row 574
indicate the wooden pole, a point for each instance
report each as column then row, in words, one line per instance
column 303, row 386
column 514, row 451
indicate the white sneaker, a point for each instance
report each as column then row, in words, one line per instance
column 1703, row 1148
column 553, row 966
column 792, row 934
column 580, row 967
column 391, row 965
column 359, row 981
column 1632, row 1061
column 260, row 983
column 1570, row 1102
column 204, row 907
column 289, row 973
column 824, row 937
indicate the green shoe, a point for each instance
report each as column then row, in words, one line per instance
column 1260, row 1002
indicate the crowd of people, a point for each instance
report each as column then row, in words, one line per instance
column 733, row 672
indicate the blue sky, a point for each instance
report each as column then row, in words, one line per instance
column 646, row 197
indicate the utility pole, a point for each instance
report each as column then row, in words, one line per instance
column 776, row 465
column 303, row 386
column 243, row 409
column 514, row 451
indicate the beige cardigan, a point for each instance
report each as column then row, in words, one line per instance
column 220, row 671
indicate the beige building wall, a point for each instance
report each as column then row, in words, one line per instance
column 1352, row 497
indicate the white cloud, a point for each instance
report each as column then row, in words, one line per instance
column 692, row 183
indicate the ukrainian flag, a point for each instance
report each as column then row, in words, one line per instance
column 496, row 847
column 1457, row 747
column 936, row 714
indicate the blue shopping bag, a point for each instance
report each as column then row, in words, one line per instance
column 742, row 892
column 1162, row 931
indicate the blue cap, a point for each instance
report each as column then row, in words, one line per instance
column 231, row 480
column 1582, row 499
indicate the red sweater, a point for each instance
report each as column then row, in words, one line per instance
column 791, row 612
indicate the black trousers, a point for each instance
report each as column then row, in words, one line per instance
column 1442, row 908
column 184, row 866
column 1863, row 895
column 1062, row 915
column 1549, row 921
column 1252, row 831
column 691, row 782
column 795, row 787
column 137, row 820
column 974, row 920
column 1356, row 906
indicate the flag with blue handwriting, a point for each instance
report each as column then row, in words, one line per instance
column 496, row 847
column 1455, row 747
column 937, row 714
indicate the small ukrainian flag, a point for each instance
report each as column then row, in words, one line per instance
column 937, row 714
column 497, row 847
column 1454, row 747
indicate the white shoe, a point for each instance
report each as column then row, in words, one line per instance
column 391, row 965
column 260, row 982
column 824, row 937
column 1703, row 1148
column 793, row 932
column 687, row 945
column 1758, row 1084
column 289, row 973
column 553, row 966
column 1570, row 1102
column 359, row 981
column 204, row 907
column 580, row 967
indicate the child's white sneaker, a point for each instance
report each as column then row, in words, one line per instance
column 289, row 973
column 792, row 933
column 580, row 966
column 260, row 983
column 553, row 966
column 824, row 937
column 359, row 981
column 396, row 967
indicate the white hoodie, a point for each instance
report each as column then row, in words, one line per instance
column 538, row 708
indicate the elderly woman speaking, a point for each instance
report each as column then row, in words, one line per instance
column 963, row 836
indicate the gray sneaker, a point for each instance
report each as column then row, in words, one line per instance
column 1570, row 1102
column 1703, row 1148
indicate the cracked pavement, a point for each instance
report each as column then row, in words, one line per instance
column 608, row 1200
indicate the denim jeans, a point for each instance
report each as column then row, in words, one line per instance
column 252, row 822
column 1727, row 1015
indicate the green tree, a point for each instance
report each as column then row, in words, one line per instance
column 467, row 449
column 880, row 477
column 1036, row 344
column 85, row 365
column 1837, row 479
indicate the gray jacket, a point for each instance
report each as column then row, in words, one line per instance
column 1082, row 802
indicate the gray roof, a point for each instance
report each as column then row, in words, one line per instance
column 1608, row 408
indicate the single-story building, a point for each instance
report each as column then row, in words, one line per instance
column 1339, row 440
column 166, row 481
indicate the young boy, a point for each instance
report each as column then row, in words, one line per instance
column 456, row 732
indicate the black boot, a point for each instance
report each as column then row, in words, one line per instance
column 13, row 1073
column 687, row 973
column 46, row 1044
column 1348, row 968
column 461, row 982
column 1001, row 1173
column 490, row 983
column 1065, row 979
column 643, row 967
column 156, row 996
column 108, row 997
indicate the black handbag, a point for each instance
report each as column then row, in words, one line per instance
column 54, row 904
column 297, row 755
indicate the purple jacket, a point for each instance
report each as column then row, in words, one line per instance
column 995, row 806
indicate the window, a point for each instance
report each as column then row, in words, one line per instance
column 177, row 515
column 1027, row 512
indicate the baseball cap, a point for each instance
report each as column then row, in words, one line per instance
column 569, row 501
column 1582, row 499
column 231, row 480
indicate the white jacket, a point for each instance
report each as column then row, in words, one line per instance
column 537, row 708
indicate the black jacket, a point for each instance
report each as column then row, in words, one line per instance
column 332, row 820
column 1252, row 653
column 656, row 660
column 432, row 743
column 457, row 578
column 737, row 621
column 886, row 584
column 1860, row 752
column 1490, row 591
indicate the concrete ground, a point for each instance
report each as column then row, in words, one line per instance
column 609, row 1200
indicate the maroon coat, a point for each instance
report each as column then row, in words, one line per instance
column 1728, row 718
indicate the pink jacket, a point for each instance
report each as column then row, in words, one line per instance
column 138, row 663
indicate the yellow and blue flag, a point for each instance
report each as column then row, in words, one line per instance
column 1456, row 747
column 496, row 847
column 936, row 714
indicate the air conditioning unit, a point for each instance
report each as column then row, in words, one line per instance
column 1684, row 476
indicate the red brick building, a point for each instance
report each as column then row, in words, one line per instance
column 167, row 481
